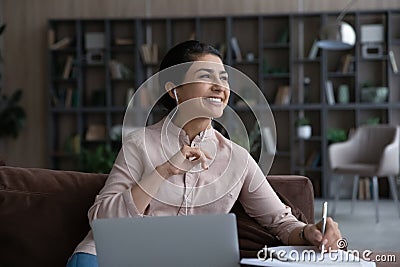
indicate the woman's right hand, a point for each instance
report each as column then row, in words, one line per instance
column 183, row 161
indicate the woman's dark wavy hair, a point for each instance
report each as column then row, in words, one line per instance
column 181, row 53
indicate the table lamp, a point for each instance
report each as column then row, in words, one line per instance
column 338, row 35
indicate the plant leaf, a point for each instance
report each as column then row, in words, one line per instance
column 15, row 97
column 2, row 28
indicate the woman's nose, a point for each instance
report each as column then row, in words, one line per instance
column 219, row 85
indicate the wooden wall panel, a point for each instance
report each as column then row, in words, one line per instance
column 25, row 48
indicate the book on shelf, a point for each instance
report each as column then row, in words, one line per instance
column 124, row 41
column 154, row 53
column 64, row 97
column 61, row 44
column 221, row 47
column 361, row 189
column 192, row 36
column 284, row 36
column 346, row 62
column 54, row 99
column 120, row 71
column 68, row 67
column 312, row 54
column 393, row 62
column 330, row 97
column 236, row 49
column 283, row 95
column 126, row 72
column 311, row 158
column 269, row 140
column 364, row 189
column 316, row 161
column 114, row 69
column 51, row 37
column 96, row 132
column 367, row 186
column 149, row 53
column 68, row 97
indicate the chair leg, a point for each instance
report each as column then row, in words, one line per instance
column 355, row 190
column 338, row 184
column 376, row 196
column 393, row 188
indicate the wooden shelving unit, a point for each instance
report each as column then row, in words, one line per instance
column 274, row 50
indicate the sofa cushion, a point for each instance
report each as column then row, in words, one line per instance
column 37, row 208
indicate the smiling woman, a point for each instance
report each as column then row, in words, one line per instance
column 182, row 166
column 187, row 52
column 203, row 94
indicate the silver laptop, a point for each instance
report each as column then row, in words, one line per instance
column 197, row 240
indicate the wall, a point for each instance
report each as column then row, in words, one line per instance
column 25, row 47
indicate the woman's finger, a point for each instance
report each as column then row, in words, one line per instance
column 188, row 157
column 313, row 234
column 331, row 235
column 201, row 158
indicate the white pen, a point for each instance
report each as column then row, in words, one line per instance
column 324, row 215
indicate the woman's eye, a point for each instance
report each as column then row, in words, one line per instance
column 224, row 78
column 205, row 76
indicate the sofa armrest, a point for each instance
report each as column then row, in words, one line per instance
column 298, row 190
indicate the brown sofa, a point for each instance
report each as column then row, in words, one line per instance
column 43, row 213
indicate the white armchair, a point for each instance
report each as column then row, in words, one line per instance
column 373, row 151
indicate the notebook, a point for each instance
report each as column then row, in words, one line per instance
column 196, row 240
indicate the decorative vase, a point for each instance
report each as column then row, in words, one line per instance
column 343, row 94
column 304, row 131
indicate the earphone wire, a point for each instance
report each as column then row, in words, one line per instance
column 186, row 196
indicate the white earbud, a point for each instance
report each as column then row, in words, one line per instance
column 176, row 97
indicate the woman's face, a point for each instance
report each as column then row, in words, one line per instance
column 205, row 90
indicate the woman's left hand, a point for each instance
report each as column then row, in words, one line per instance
column 313, row 234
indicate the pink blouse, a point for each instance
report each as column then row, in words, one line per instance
column 232, row 175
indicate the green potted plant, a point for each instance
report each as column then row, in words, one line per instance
column 336, row 135
column 12, row 116
column 100, row 160
column 303, row 128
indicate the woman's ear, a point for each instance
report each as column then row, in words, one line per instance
column 169, row 87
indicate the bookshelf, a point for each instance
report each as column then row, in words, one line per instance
column 274, row 52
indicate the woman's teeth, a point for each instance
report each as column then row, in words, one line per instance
column 216, row 100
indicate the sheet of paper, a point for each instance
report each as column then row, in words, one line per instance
column 303, row 256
